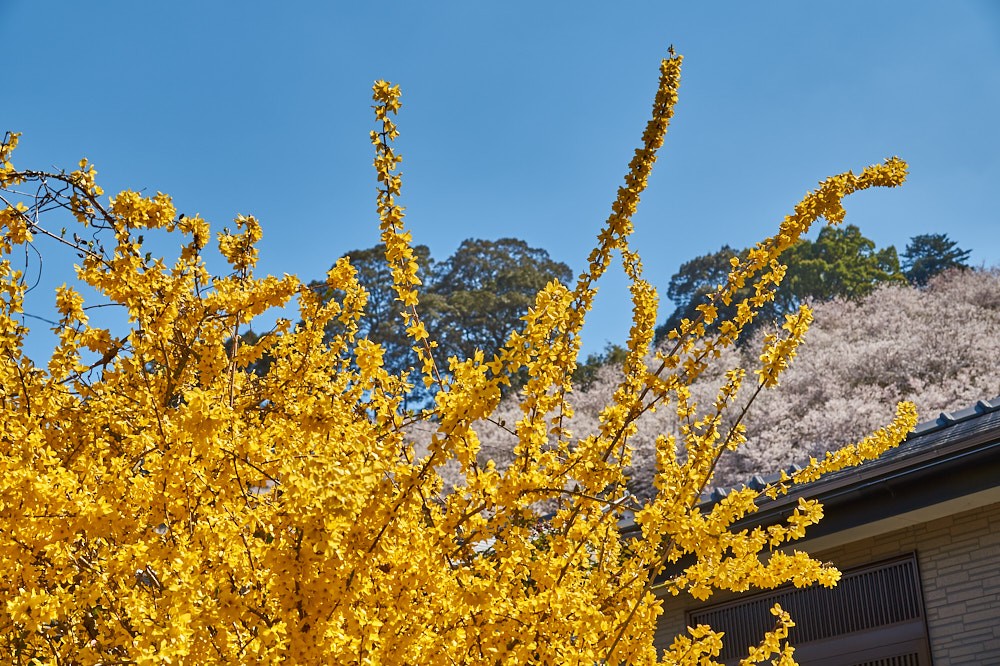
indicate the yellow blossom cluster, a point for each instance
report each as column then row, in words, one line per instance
column 161, row 502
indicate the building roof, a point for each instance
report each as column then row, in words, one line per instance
column 945, row 465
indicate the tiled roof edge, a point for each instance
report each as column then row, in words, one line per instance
column 944, row 420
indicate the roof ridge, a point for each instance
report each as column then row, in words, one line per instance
column 944, row 420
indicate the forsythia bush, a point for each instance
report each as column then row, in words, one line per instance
column 159, row 503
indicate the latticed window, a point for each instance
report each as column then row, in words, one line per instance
column 874, row 617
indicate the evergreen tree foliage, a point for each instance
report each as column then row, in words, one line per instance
column 840, row 263
column 484, row 289
column 380, row 322
column 694, row 281
column 470, row 301
column 926, row 255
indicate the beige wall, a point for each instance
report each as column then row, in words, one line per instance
column 959, row 560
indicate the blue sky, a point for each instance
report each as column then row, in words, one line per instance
column 519, row 119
